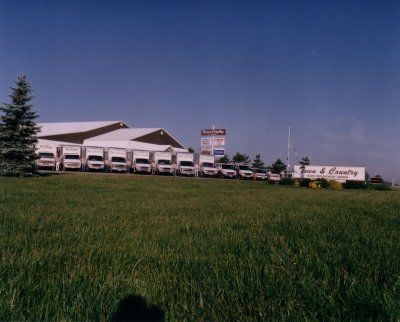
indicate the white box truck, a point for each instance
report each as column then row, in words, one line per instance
column 141, row 161
column 47, row 156
column 207, row 166
column 94, row 158
column 185, row 164
column 71, row 157
column 227, row 170
column 162, row 162
column 117, row 160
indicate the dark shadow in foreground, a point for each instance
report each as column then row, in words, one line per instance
column 135, row 308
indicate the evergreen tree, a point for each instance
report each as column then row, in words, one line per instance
column 257, row 162
column 304, row 161
column 240, row 158
column 18, row 132
column 278, row 166
column 224, row 159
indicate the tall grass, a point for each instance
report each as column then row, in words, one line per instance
column 72, row 247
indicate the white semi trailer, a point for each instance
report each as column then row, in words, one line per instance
column 185, row 164
column 71, row 157
column 94, row 158
column 47, row 156
column 117, row 160
column 207, row 166
column 162, row 162
column 141, row 161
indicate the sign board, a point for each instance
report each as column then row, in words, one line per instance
column 376, row 180
column 219, row 152
column 329, row 173
column 205, row 132
column 219, row 141
column 206, row 142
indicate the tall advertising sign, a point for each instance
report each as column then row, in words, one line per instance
column 213, row 142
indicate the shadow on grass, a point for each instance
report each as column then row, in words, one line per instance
column 135, row 308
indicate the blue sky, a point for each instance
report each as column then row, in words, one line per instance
column 331, row 68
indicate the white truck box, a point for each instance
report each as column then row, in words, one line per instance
column 141, row 161
column 185, row 164
column 94, row 158
column 47, row 153
column 163, row 162
column 71, row 157
column 117, row 160
column 207, row 166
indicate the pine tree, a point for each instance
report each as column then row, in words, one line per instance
column 224, row 159
column 257, row 162
column 304, row 161
column 18, row 132
column 240, row 158
column 278, row 166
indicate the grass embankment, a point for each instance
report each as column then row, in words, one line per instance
column 72, row 247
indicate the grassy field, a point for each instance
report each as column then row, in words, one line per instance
column 73, row 247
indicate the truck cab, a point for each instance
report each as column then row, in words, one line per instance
column 244, row 171
column 273, row 177
column 163, row 162
column 71, row 157
column 117, row 160
column 227, row 170
column 141, row 162
column 207, row 166
column 94, row 159
column 47, row 156
column 185, row 164
column 261, row 174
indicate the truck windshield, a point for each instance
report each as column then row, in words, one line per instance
column 244, row 167
column 46, row 155
column 95, row 158
column 142, row 161
column 118, row 159
column 208, row 165
column 186, row 164
column 164, row 162
column 261, row 171
column 228, row 167
column 71, row 157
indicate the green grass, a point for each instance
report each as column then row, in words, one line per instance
column 73, row 246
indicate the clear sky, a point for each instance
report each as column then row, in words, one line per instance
column 331, row 68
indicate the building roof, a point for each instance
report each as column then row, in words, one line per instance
column 73, row 127
column 155, row 135
column 125, row 134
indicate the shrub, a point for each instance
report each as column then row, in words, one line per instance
column 334, row 185
column 287, row 181
column 355, row 185
column 380, row 186
column 297, row 183
column 305, row 183
column 314, row 185
column 322, row 183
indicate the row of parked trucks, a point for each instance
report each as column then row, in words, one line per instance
column 88, row 158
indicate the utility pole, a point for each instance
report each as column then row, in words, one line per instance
column 288, row 153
